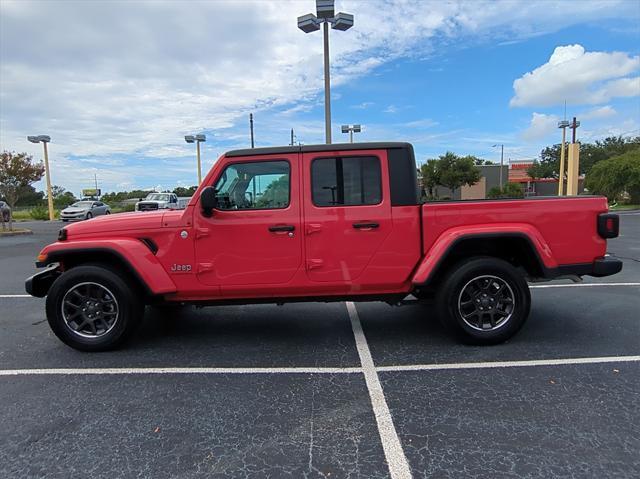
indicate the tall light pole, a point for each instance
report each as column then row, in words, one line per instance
column 501, row 162
column 325, row 12
column 197, row 139
column 351, row 129
column 562, row 124
column 44, row 139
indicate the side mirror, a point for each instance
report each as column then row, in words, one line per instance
column 208, row 200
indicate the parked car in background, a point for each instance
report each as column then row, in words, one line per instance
column 5, row 211
column 84, row 210
column 158, row 201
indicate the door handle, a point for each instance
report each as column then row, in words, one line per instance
column 361, row 226
column 280, row 228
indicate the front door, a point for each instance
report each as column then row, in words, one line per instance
column 253, row 237
column 347, row 213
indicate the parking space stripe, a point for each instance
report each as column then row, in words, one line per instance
column 580, row 285
column 393, row 452
column 186, row 370
column 510, row 364
column 15, row 296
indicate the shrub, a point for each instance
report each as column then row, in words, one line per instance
column 510, row 190
column 39, row 213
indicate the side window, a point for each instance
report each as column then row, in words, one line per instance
column 254, row 186
column 348, row 181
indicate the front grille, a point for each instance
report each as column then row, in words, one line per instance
column 147, row 206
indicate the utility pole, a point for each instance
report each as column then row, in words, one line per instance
column 251, row 128
column 573, row 168
column 501, row 162
column 327, row 85
column 44, row 139
column 291, row 137
column 562, row 124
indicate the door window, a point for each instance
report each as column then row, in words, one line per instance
column 254, row 186
column 347, row 181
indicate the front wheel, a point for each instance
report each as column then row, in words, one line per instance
column 89, row 216
column 91, row 308
column 484, row 300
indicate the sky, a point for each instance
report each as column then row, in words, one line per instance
column 117, row 84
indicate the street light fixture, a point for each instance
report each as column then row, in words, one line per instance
column 501, row 161
column 197, row 139
column 44, row 139
column 351, row 129
column 325, row 14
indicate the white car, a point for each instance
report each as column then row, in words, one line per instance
column 84, row 210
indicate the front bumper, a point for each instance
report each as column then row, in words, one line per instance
column 38, row 285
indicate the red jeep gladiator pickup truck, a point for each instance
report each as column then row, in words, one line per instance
column 320, row 223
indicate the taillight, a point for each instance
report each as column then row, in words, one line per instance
column 608, row 225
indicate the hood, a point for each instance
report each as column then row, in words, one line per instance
column 73, row 209
column 118, row 222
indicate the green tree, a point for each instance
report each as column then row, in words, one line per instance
column 548, row 165
column 456, row 171
column 275, row 195
column 182, row 191
column 30, row 197
column 17, row 171
column 61, row 197
column 430, row 177
column 614, row 176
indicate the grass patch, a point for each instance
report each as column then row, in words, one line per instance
column 624, row 207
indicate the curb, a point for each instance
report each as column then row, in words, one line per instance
column 15, row 233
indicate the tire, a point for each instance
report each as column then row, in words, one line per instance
column 101, row 292
column 88, row 217
column 107, row 212
column 483, row 301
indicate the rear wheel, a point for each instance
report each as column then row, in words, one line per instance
column 484, row 300
column 91, row 308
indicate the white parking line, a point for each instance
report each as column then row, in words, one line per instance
column 580, row 285
column 15, row 296
column 510, row 364
column 396, row 459
column 186, row 370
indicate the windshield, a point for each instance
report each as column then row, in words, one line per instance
column 82, row 204
column 158, row 197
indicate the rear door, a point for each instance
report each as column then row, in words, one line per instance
column 253, row 237
column 347, row 212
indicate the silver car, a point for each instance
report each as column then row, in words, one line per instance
column 84, row 210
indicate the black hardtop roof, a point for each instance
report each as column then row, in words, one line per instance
column 274, row 150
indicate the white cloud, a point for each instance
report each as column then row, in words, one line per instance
column 578, row 77
column 540, row 127
column 597, row 113
column 113, row 80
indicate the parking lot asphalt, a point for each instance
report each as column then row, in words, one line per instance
column 295, row 391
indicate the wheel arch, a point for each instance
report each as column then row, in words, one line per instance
column 134, row 260
column 515, row 247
